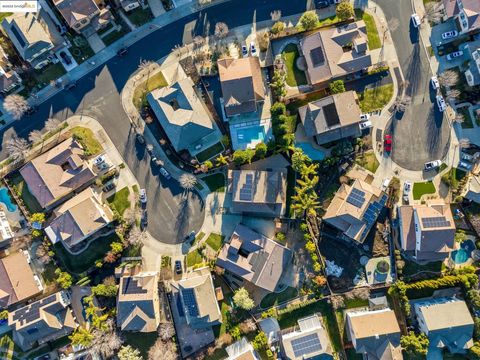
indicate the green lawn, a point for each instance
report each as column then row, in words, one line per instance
column 306, row 98
column 120, row 200
column 374, row 41
column 422, row 188
column 48, row 73
column 4, row 15
column 209, row 152
column 194, row 257
column 225, row 310
column 453, row 177
column 83, row 261
column 295, row 76
column 199, row 236
column 278, row 298
column 368, row 161
column 375, row 99
column 86, row 137
column 113, row 36
column 412, row 268
column 8, row 347
column 154, row 82
column 215, row 182
column 80, row 49
column 140, row 341
column 215, row 241
column 21, row 189
column 139, row 16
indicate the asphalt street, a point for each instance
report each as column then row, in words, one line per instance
column 421, row 134
column 171, row 213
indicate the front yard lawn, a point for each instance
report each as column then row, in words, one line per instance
column 467, row 119
column 209, row 152
column 21, row 188
column 368, row 160
column 215, row 182
column 194, row 257
column 141, row 341
column 113, row 36
column 119, row 201
column 295, row 76
column 215, row 241
column 86, row 137
column 274, row 299
column 140, row 94
column 422, row 188
column 140, row 16
column 50, row 72
column 375, row 99
column 372, row 32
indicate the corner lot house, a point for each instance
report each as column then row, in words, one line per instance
column 466, row 14
column 374, row 334
column 42, row 321
column 427, row 231
column 262, row 193
column 241, row 350
column 81, row 13
column 17, row 281
column 251, row 257
column 332, row 118
column 184, row 117
column 355, row 208
column 447, row 323
column 336, row 52
column 57, row 173
column 308, row 342
column 29, row 37
column 138, row 307
column 79, row 218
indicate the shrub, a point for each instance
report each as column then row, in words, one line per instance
column 64, row 279
column 235, row 332
column 260, row 150
column 260, row 341
column 277, row 28
column 280, row 236
column 337, row 87
column 272, row 312
column 309, row 20
column 345, row 10
column 104, row 290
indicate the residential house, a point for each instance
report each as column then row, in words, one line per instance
column 9, row 80
column 81, row 15
column 198, row 299
column 30, row 38
column 42, row 321
column 241, row 350
column 447, row 322
column 17, row 280
column 335, row 52
column 242, row 85
column 129, row 5
column 374, row 334
column 471, row 54
column 138, row 307
column 472, row 189
column 427, row 231
column 251, row 257
column 184, row 117
column 262, row 193
column 466, row 14
column 355, row 208
column 6, row 233
column 79, row 218
column 57, row 173
column 332, row 118
column 309, row 342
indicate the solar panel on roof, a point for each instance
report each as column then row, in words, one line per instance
column 356, row 198
column 130, row 286
column 331, row 114
column 433, row 222
column 48, row 300
column 246, row 189
column 317, row 56
column 306, row 345
column 190, row 302
column 17, row 34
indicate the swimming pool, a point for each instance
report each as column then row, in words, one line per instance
column 5, row 198
column 311, row 152
column 253, row 134
column 461, row 255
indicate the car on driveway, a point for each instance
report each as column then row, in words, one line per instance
column 465, row 165
column 432, row 165
column 65, row 57
column 387, row 143
column 253, row 49
column 434, row 82
column 143, row 196
column 244, row 51
column 385, row 183
column 365, row 125
column 364, row 116
column 449, row 34
column 140, row 138
column 407, row 187
column 99, row 160
column 416, row 20
column 178, row 267
column 108, row 186
column 454, row 55
column 165, row 173
column 442, row 106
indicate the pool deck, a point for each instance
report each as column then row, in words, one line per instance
column 301, row 137
column 451, row 263
column 238, row 144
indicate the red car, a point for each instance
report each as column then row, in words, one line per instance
column 387, row 144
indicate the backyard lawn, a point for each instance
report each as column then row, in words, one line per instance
column 295, row 76
column 368, row 161
column 154, row 82
column 375, row 99
column 412, row 268
column 278, row 298
column 372, row 32
column 120, row 200
column 215, row 182
column 306, row 98
column 87, row 139
column 140, row 341
column 422, row 188
column 453, row 177
column 209, row 152
column 21, row 187
column 194, row 257
column 215, row 241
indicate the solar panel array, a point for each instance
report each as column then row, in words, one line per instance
column 435, row 222
column 32, row 311
column 356, row 198
column 306, row 345
column 130, row 286
column 372, row 212
column 246, row 190
column 190, row 302
column 317, row 56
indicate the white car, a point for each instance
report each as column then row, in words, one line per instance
column 143, row 196
column 432, row 165
column 465, row 156
column 244, row 51
column 454, row 55
column 364, row 116
column 365, row 125
column 442, row 106
column 467, row 166
column 253, row 49
column 407, row 187
column 99, row 160
column 165, row 173
column 434, row 82
column 385, row 183
column 416, row 20
column 449, row 34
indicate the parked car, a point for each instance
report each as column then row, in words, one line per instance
column 454, row 55
column 66, row 59
column 407, row 187
column 122, row 51
column 385, row 183
column 31, row 110
column 365, row 125
column 465, row 156
column 108, row 186
column 416, row 20
column 321, row 4
column 467, row 166
column 253, row 49
column 99, row 160
column 435, row 83
column 244, row 51
column 70, row 85
column 165, row 173
column 442, row 106
column 364, row 116
column 143, row 196
column 178, row 267
column 140, row 138
column 387, row 143
column 190, row 237
column 432, row 165
column 449, row 34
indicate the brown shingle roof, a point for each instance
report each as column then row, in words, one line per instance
column 76, row 10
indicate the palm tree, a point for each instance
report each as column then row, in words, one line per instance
column 306, row 203
column 187, row 181
column 221, row 30
column 146, row 65
column 221, row 160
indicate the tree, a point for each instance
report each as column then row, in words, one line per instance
column 110, row 257
column 308, row 21
column 453, row 94
column 474, row 351
column 402, row 103
column 43, row 254
column 277, row 28
column 188, row 181
column 221, row 30
column 260, row 341
column 305, row 203
column 415, row 346
column 221, row 160
column 165, row 350
column 242, row 299
column 241, row 157
column 135, row 236
column 345, row 10
column 81, row 337
column 448, row 78
column 260, row 150
column 106, row 342
column 52, row 124
column 166, row 331
column 276, row 15
column 129, row 353
column 433, row 12
column 38, row 218
column 4, row 315
column 116, row 247
column 104, row 290
column 278, row 83
column 16, row 105
column 459, row 118
column 464, row 143
column 35, row 136
column 63, row 279
column 337, row 87
column 299, row 159
column 17, row 148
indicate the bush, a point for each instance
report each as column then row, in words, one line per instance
column 277, row 28
column 241, row 157
column 272, row 312
column 280, row 236
column 260, row 150
column 104, row 290
column 345, row 10
column 337, row 87
column 260, row 341
column 309, row 20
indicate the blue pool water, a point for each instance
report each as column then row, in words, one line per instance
column 254, row 133
column 5, row 198
column 463, row 254
column 308, row 149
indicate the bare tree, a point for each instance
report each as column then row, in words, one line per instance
column 166, row 331
column 464, row 143
column 16, row 105
column 17, row 148
column 135, row 236
column 52, row 124
column 187, row 181
column 402, row 103
column 106, row 343
column 21, row 242
column 163, row 350
column 43, row 254
column 448, row 78
column 204, row 2
column 221, row 30
column 35, row 137
column 198, row 41
column 276, row 15
column 433, row 12
column 453, row 94
column 459, row 118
